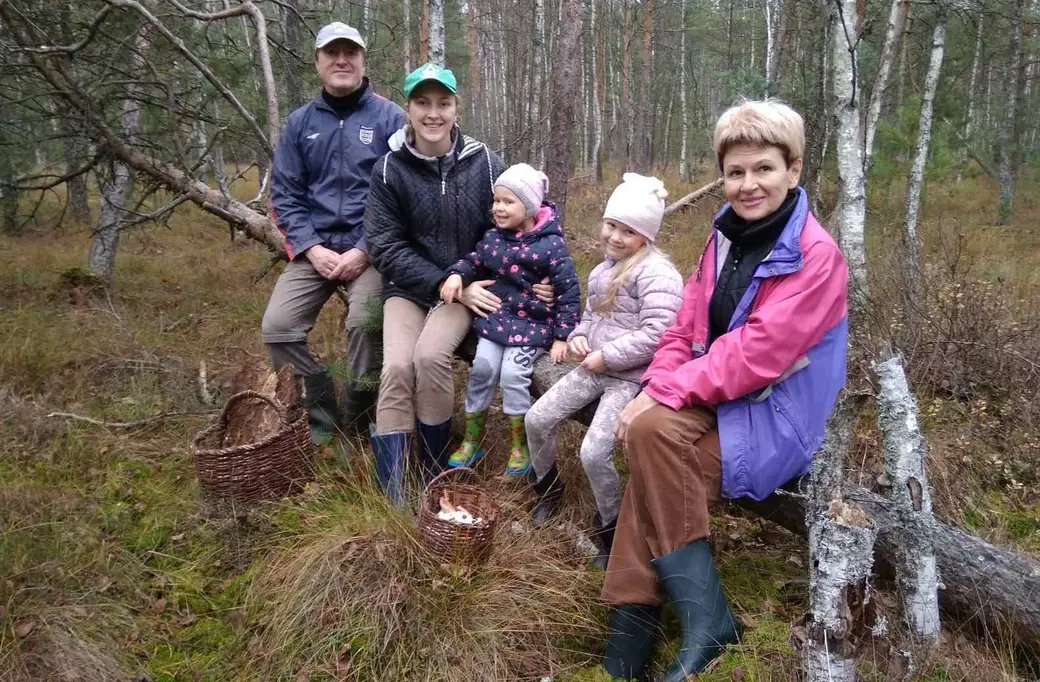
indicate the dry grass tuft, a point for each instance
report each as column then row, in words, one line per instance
column 354, row 594
column 60, row 645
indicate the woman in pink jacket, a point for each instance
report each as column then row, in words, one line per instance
column 736, row 397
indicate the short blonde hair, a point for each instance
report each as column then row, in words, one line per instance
column 764, row 123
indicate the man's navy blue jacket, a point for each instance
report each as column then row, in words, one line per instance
column 322, row 168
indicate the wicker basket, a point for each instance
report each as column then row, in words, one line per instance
column 277, row 465
column 453, row 542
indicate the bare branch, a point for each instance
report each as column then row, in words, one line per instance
column 128, row 425
column 75, row 47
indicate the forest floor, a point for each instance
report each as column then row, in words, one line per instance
column 112, row 567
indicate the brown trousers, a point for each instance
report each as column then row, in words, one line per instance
column 675, row 474
column 418, row 346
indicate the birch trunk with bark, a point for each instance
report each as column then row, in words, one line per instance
column 911, row 498
column 115, row 188
column 406, row 19
column 684, row 145
column 563, row 98
column 599, row 41
column 841, row 557
column 850, row 213
column 1007, row 130
column 774, row 12
column 436, row 32
column 911, row 263
column 969, row 115
column 474, row 65
column 627, row 109
column 536, row 150
column 893, row 39
column 424, row 33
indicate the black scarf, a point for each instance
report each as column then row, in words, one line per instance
column 750, row 243
column 347, row 103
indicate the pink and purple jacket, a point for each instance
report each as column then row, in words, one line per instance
column 774, row 376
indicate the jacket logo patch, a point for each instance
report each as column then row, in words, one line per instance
column 313, row 136
column 365, row 134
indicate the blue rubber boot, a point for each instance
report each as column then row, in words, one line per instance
column 689, row 577
column 392, row 451
column 633, row 630
column 433, row 448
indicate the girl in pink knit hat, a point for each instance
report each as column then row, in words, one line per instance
column 633, row 296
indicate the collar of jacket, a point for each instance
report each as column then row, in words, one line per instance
column 786, row 256
column 320, row 103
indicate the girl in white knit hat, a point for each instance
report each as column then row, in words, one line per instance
column 525, row 246
column 633, row 297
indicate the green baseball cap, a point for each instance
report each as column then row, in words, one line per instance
column 430, row 72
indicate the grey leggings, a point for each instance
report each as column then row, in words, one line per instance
column 510, row 365
column 568, row 395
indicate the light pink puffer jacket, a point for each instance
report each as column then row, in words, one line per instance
column 644, row 308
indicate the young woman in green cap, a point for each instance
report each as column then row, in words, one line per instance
column 429, row 205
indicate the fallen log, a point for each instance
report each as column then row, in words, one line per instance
column 987, row 586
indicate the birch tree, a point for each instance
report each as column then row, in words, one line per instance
column 684, row 162
column 911, row 263
column 850, row 213
column 969, row 115
column 1007, row 129
column 436, row 31
column 893, row 39
column 537, row 151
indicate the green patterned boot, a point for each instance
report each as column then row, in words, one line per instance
column 519, row 455
column 470, row 452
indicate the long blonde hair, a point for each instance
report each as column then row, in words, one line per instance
column 621, row 271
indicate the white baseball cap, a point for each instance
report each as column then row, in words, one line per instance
column 337, row 30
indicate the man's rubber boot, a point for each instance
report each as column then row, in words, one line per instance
column 359, row 411
column 433, row 448
column 603, row 537
column 470, row 452
column 519, row 456
column 689, row 578
column 319, row 399
column 549, row 491
column 633, row 630
column 391, row 451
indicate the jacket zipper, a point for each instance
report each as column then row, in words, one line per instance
column 342, row 157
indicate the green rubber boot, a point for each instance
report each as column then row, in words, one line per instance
column 470, row 452
column 519, row 456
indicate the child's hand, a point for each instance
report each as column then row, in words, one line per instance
column 451, row 290
column 594, row 362
column 579, row 347
column 558, row 352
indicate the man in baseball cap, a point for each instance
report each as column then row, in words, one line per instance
column 319, row 186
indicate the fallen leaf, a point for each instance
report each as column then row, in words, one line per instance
column 159, row 606
column 747, row 621
column 178, row 537
column 187, row 620
column 343, row 666
column 796, row 560
column 23, row 628
column 736, row 674
column 78, row 611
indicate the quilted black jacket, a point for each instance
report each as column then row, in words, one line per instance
column 424, row 213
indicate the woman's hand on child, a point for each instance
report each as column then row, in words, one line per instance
column 478, row 299
column 451, row 290
column 579, row 347
column 595, row 362
column 635, row 407
column 558, row 352
column 544, row 291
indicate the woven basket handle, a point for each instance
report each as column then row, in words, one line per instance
column 278, row 407
column 458, row 472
